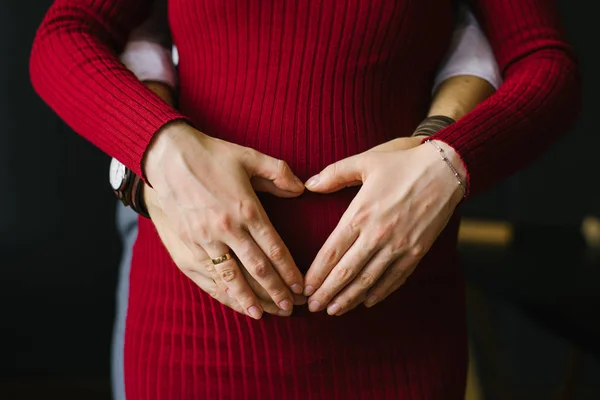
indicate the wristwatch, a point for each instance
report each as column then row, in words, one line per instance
column 128, row 187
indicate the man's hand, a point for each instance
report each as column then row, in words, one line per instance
column 203, row 274
column 255, row 172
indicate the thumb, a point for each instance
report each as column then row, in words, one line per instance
column 277, row 171
column 336, row 176
column 264, row 185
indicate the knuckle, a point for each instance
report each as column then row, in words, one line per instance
column 417, row 251
column 228, row 274
column 330, row 256
column 366, row 280
column 358, row 219
column 276, row 253
column 288, row 276
column 344, row 301
column 324, row 295
column 249, row 211
column 343, row 274
column 278, row 293
column 260, row 269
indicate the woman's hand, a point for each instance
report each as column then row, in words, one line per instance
column 407, row 198
column 204, row 186
column 205, row 275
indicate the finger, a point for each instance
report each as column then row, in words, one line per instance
column 272, row 169
column 336, row 245
column 210, row 269
column 232, row 277
column 351, row 263
column 264, row 185
column 273, row 309
column 349, row 297
column 336, row 176
column 258, row 265
column 261, row 293
column 264, row 298
column 209, row 286
column 271, row 245
column 392, row 279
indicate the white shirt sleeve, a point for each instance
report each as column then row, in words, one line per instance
column 148, row 52
column 469, row 54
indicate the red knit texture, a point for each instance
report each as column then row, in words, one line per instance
column 310, row 82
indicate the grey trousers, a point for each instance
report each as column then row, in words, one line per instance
column 126, row 220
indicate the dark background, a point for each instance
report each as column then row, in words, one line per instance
column 59, row 251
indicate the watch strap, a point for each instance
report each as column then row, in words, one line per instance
column 432, row 125
column 137, row 197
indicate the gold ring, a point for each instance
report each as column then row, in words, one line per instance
column 223, row 258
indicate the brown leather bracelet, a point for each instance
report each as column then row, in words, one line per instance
column 137, row 197
column 432, row 125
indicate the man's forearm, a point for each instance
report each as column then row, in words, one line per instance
column 458, row 95
column 162, row 90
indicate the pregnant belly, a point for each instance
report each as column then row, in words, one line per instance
column 304, row 223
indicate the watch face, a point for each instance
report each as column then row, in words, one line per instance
column 117, row 174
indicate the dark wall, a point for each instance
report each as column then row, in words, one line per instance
column 58, row 249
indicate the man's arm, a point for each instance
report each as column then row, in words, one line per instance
column 469, row 73
column 148, row 50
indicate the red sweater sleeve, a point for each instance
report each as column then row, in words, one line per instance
column 75, row 69
column 538, row 101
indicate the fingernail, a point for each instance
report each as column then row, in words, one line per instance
column 371, row 301
column 254, row 312
column 285, row 305
column 309, row 290
column 314, row 181
column 296, row 288
column 333, row 309
column 298, row 181
column 314, row 306
column 227, row 292
column 283, row 313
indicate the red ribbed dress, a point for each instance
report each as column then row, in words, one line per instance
column 310, row 82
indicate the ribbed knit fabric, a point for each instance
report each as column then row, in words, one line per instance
column 310, row 82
